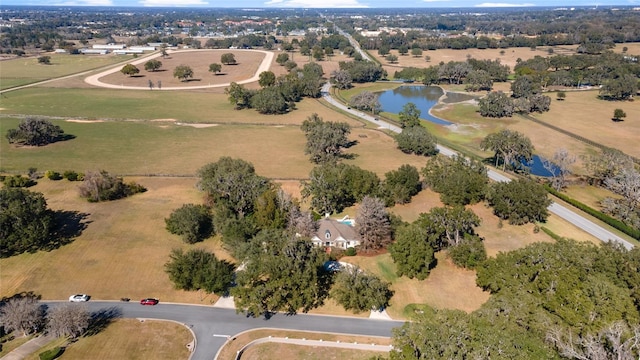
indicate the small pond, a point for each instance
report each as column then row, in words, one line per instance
column 424, row 97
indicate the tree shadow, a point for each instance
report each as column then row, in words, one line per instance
column 617, row 120
column 69, row 225
column 21, row 295
column 64, row 137
column 191, row 80
column 101, row 319
column 138, row 76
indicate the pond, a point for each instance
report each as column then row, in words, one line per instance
column 536, row 167
column 424, row 97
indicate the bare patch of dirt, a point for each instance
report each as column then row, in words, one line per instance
column 84, row 121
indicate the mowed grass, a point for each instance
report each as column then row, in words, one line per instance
column 184, row 106
column 130, row 339
column 230, row 349
column 124, row 147
column 275, row 351
column 582, row 113
column 22, row 71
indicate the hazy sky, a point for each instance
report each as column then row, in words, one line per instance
column 323, row 3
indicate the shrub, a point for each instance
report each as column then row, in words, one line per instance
column 52, row 175
column 17, row 181
column 51, row 354
column 72, row 175
column 350, row 252
column 192, row 222
column 102, row 186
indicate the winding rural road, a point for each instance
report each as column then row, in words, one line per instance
column 95, row 79
column 213, row 327
column 562, row 211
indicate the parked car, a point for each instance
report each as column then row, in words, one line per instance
column 79, row 298
column 149, row 301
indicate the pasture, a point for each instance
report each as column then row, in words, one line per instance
column 22, row 71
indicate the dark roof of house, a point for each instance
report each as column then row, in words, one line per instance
column 336, row 229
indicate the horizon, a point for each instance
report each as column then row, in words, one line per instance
column 314, row 4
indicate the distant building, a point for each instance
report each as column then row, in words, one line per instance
column 109, row 46
column 93, row 51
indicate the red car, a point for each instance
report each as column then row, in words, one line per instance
column 149, row 301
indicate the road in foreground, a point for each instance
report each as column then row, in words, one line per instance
column 214, row 326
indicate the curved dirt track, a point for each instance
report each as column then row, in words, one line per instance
column 95, row 79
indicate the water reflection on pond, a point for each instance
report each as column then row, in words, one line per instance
column 424, row 97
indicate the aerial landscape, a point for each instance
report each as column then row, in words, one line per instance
column 349, row 180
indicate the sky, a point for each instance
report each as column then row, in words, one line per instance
column 323, row 3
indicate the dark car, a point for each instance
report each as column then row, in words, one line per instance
column 149, row 301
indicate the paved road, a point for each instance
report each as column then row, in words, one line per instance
column 565, row 213
column 212, row 325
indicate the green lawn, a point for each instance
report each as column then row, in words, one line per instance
column 22, row 71
column 125, row 147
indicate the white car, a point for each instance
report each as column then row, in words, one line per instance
column 79, row 298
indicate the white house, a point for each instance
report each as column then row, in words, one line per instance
column 336, row 233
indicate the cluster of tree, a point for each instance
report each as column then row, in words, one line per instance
column 101, row 186
column 278, row 95
column 520, row 201
column 358, row 291
column 363, row 71
column 617, row 73
column 450, row 227
column 527, row 315
column 475, row 74
column 325, row 139
column 335, row 187
column 618, row 173
column 35, row 132
column 414, row 139
column 25, row 314
column 525, row 98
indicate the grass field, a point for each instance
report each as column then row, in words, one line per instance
column 129, row 339
column 22, row 71
column 274, row 351
column 228, row 352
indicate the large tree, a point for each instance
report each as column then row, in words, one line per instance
column 34, row 132
column 372, row 224
column 153, row 65
column 358, row 291
column 416, row 140
column 69, row 320
column 413, row 251
column 232, row 183
column 458, row 180
column 450, row 223
column 191, row 222
column 402, row 184
column 22, row 313
column 519, row 201
column 228, row 59
column 366, row 100
column 325, row 139
column 512, row 147
column 341, row 79
column 183, row 72
column 560, row 167
column 270, row 100
column 198, row 269
column 409, row 115
column 26, row 224
column 282, row 273
column 239, row 95
column 129, row 70
column 215, row 68
column 496, row 104
column 267, row 78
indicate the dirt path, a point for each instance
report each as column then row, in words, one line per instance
column 95, row 79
